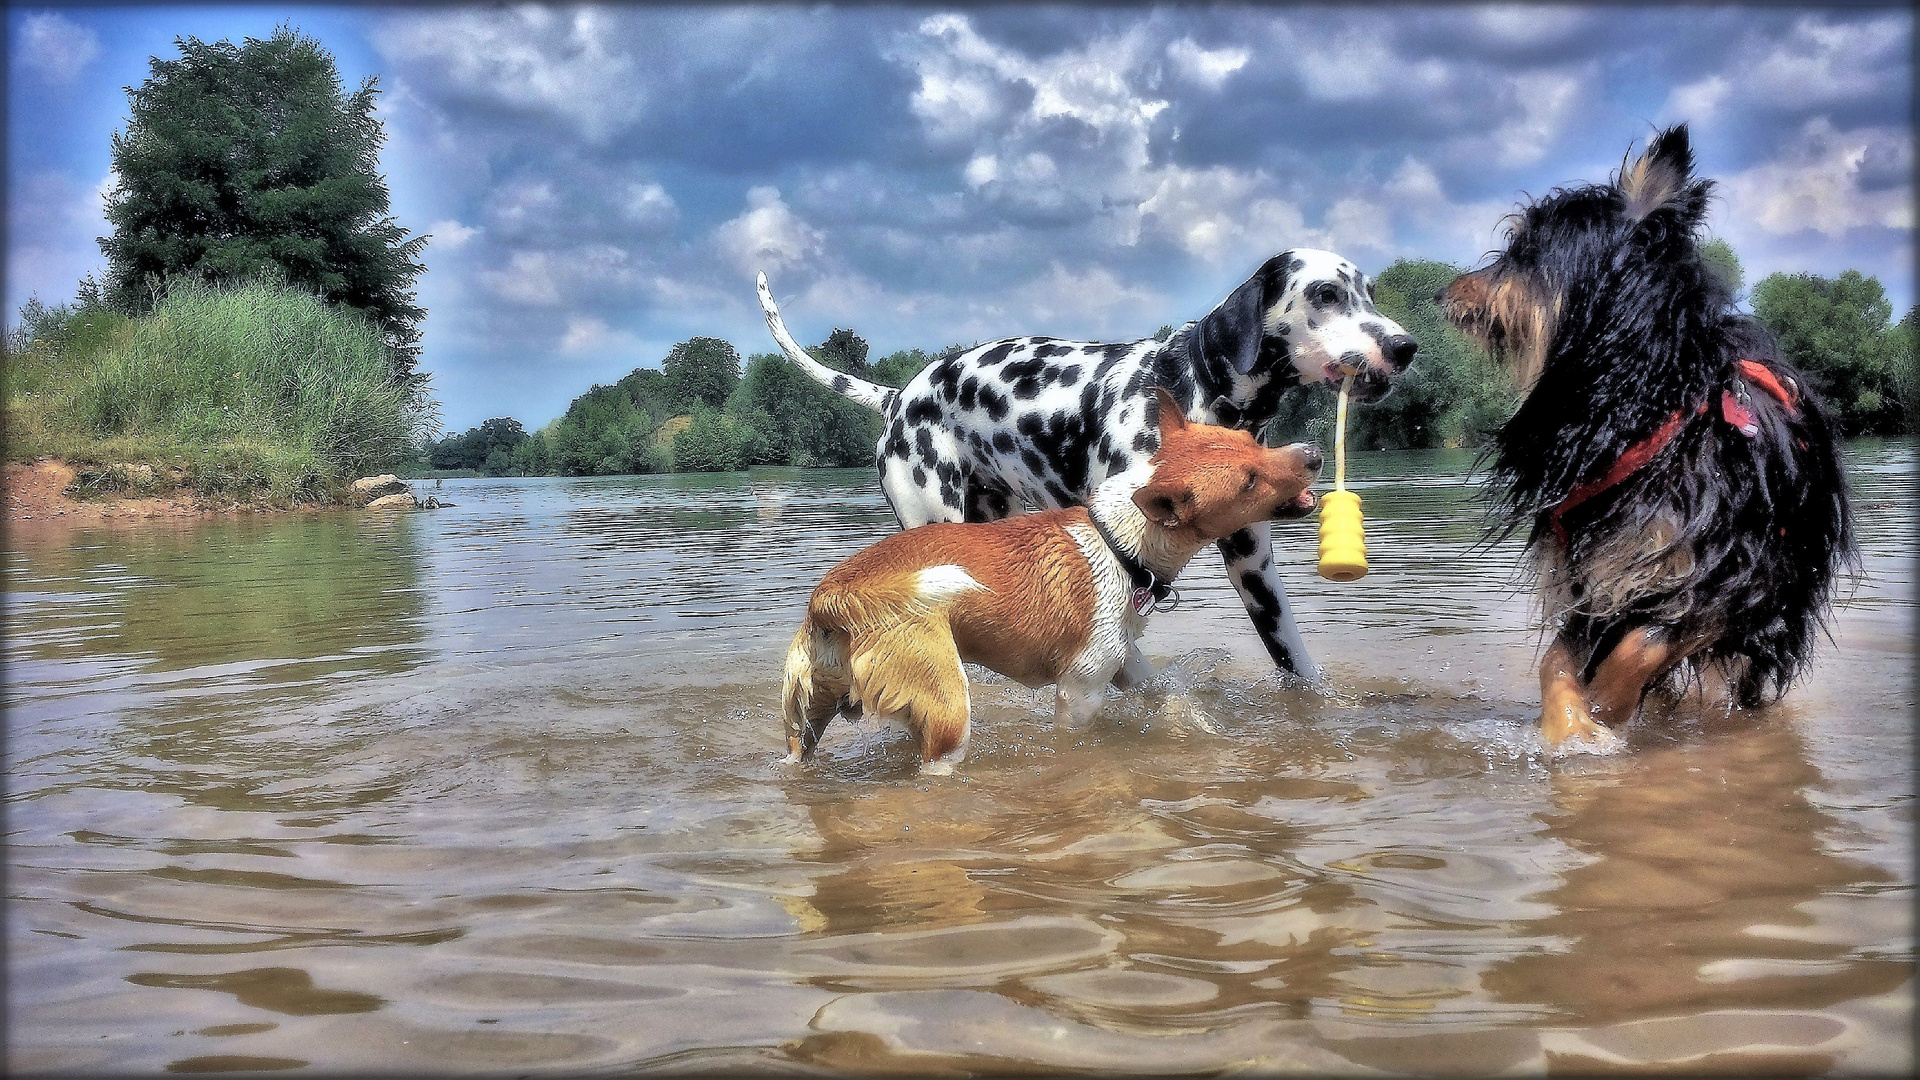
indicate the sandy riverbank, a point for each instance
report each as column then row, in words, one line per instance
column 36, row 493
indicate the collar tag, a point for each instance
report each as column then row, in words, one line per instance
column 1142, row 601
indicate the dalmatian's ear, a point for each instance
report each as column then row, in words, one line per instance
column 1235, row 329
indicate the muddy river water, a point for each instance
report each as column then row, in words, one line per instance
column 497, row 787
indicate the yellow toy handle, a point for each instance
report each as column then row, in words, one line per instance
column 1343, row 544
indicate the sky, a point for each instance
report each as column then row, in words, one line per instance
column 601, row 182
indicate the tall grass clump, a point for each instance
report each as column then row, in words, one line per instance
column 251, row 387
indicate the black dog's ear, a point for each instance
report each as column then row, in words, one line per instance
column 1662, row 176
column 1235, row 329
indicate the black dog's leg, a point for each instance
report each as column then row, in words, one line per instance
column 1249, row 555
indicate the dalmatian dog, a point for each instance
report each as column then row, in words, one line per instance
column 979, row 433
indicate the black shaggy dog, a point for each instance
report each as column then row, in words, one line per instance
column 1681, row 485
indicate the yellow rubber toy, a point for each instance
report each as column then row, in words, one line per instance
column 1343, row 544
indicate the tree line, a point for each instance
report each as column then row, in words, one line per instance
column 701, row 410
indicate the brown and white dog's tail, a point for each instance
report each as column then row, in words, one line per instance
column 860, row 391
column 881, row 644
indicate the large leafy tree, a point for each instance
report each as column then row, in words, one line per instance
column 703, row 370
column 246, row 161
column 1838, row 331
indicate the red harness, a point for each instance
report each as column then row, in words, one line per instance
column 1732, row 408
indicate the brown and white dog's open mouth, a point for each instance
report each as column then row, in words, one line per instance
column 1298, row 507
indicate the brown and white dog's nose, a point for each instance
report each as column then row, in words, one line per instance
column 1311, row 457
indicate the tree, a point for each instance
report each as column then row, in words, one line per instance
column 843, row 350
column 714, row 442
column 249, row 161
column 1719, row 255
column 801, row 422
column 702, row 369
column 898, row 368
column 475, row 448
column 1836, row 331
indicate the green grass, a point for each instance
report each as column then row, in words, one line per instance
column 242, row 394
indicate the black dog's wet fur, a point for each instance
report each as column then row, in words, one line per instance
column 1645, row 329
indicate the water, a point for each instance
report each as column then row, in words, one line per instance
column 497, row 787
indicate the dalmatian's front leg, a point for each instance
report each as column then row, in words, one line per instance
column 1249, row 556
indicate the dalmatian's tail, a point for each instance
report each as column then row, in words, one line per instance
column 872, row 395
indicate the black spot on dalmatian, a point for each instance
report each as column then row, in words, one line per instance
column 919, row 476
column 968, row 390
column 1145, row 442
column 995, row 355
column 945, row 379
column 1030, row 425
column 923, row 442
column 994, row 403
column 896, row 444
column 1238, row 546
column 1031, row 459
column 1003, row 442
column 1069, row 376
column 887, row 403
column 840, row 384
column 1296, row 266
column 923, row 412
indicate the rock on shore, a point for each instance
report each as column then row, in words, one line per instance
column 389, row 492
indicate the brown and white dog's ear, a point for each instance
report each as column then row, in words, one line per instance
column 1662, row 176
column 1170, row 416
column 1167, row 503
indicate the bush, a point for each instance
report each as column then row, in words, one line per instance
column 256, row 386
column 714, row 442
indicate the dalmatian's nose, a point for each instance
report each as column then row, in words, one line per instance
column 1400, row 349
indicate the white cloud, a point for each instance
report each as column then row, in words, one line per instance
column 54, row 47
column 521, row 205
column 1201, row 209
column 1543, row 98
column 546, row 60
column 590, row 333
column 541, row 278
column 1817, row 65
column 1208, row 67
column 1528, row 25
column 1827, row 181
column 52, row 220
column 1071, row 302
column 450, row 235
column 649, row 205
column 768, row 236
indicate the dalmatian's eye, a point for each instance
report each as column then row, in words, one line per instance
column 1325, row 293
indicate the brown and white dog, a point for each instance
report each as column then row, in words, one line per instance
column 1058, row 597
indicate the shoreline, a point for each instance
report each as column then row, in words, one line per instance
column 35, row 495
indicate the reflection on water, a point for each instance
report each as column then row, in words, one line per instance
column 496, row 787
